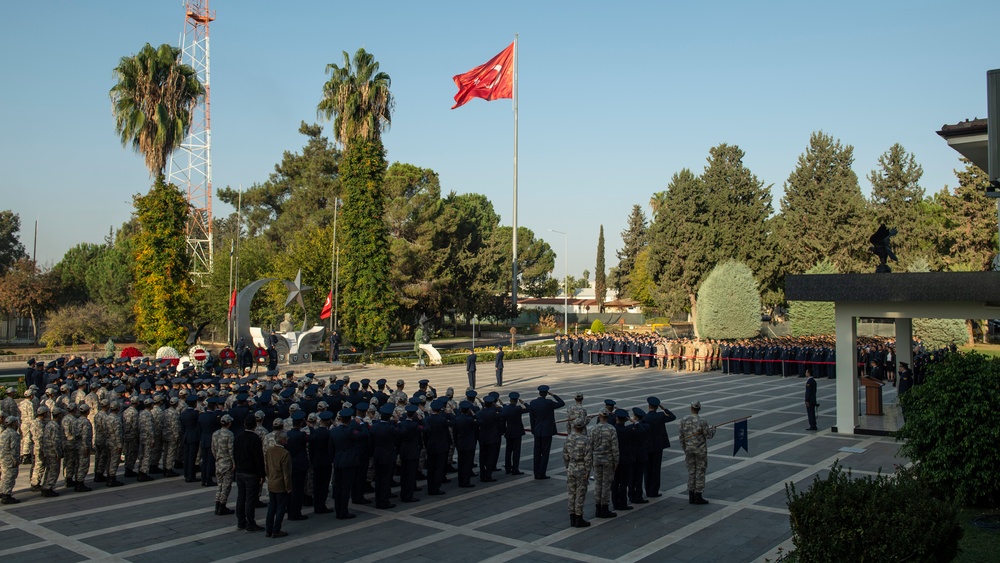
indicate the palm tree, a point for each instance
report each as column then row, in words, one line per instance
column 357, row 99
column 152, row 103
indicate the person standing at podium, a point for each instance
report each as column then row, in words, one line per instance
column 811, row 403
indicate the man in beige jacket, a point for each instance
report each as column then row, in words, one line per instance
column 278, row 462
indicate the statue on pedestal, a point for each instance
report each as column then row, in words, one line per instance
column 881, row 247
column 286, row 325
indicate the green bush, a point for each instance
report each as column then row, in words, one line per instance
column 938, row 333
column 728, row 303
column 597, row 327
column 810, row 318
column 883, row 518
column 953, row 427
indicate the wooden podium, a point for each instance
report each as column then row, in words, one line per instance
column 873, row 396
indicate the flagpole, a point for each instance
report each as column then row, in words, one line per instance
column 513, row 287
column 333, row 257
column 229, row 317
column 236, row 279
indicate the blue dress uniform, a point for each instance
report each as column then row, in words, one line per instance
column 344, row 439
column 626, row 458
column 498, row 364
column 410, row 439
column 541, row 413
column 465, row 443
column 470, row 369
column 488, row 422
column 297, row 447
column 658, row 440
column 321, row 459
column 513, row 423
column 385, row 444
column 438, row 441
column 640, row 440
column 208, row 423
column 192, row 439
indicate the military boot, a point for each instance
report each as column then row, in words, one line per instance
column 49, row 493
column 114, row 482
column 691, row 497
column 224, row 510
column 143, row 478
column 100, row 478
column 81, row 488
column 580, row 522
column 698, row 499
column 130, row 473
column 608, row 513
column 8, row 499
column 572, row 520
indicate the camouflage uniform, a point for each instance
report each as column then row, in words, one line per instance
column 50, row 452
column 171, row 437
column 85, row 435
column 130, row 436
column 27, row 408
column 578, row 457
column 101, row 459
column 605, row 444
column 114, row 434
column 34, row 434
column 695, row 433
column 222, row 450
column 8, row 406
column 147, row 439
column 71, row 449
column 574, row 412
column 158, row 429
column 10, row 453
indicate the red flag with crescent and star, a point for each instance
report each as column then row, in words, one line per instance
column 492, row 80
column 232, row 303
column 327, row 307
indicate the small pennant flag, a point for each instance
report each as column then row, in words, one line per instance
column 741, row 437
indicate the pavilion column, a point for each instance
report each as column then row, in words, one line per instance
column 904, row 341
column 847, row 381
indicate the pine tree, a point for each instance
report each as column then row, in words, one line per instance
column 968, row 239
column 739, row 208
column 679, row 251
column 600, row 279
column 634, row 239
column 729, row 303
column 897, row 200
column 823, row 212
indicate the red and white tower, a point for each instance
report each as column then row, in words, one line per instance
column 191, row 165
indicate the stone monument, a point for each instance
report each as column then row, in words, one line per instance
column 293, row 347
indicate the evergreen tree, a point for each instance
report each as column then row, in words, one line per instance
column 738, row 211
column 823, row 212
column 679, row 247
column 634, row 238
column 163, row 289
column 729, row 303
column 896, row 201
column 814, row 317
column 937, row 333
column 11, row 249
column 600, row 278
column 968, row 239
column 535, row 261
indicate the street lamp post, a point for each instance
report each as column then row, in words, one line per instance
column 565, row 278
column 474, row 319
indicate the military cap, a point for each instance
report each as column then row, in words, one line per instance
column 610, row 403
column 298, row 415
column 386, row 409
column 543, row 388
column 105, row 403
column 294, row 407
column 621, row 413
column 373, row 402
column 653, row 402
column 173, row 401
column 28, row 392
column 423, row 382
column 471, row 393
column 580, row 422
column 158, row 398
column 355, row 386
column 578, row 395
column 160, row 381
column 322, row 405
column 346, row 413
column 438, row 404
column 362, row 406
column 31, row 362
column 71, row 407
column 242, row 396
column 400, row 382
column 11, row 391
column 380, row 382
column 513, row 395
column 271, row 373
column 325, row 415
column 226, row 419
column 489, row 399
column 287, row 393
column 120, row 389
column 604, row 412
column 13, row 421
column 365, row 382
column 464, row 405
column 411, row 408
column 84, row 407
column 414, row 401
column 312, row 417
column 430, row 394
column 277, row 423
column 450, row 392
column 696, row 405
column 42, row 410
column 638, row 412
column 289, row 373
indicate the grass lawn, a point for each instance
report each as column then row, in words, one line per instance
column 985, row 349
column 978, row 545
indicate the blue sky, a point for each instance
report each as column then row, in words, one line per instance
column 613, row 99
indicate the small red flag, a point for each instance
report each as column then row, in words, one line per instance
column 327, row 307
column 232, row 303
column 490, row 81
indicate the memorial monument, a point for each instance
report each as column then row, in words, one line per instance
column 293, row 347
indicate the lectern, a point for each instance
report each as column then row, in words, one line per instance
column 873, row 396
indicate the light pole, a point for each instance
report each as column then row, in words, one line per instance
column 566, row 279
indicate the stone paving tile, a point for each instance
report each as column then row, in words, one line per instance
column 729, row 539
column 48, row 553
column 344, row 547
column 15, row 538
column 743, row 482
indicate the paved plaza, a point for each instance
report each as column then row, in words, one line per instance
column 513, row 519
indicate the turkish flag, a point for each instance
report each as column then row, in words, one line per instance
column 232, row 303
column 327, row 307
column 492, row 80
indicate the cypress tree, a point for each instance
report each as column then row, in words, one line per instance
column 600, row 279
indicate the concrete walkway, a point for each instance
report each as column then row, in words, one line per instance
column 515, row 518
